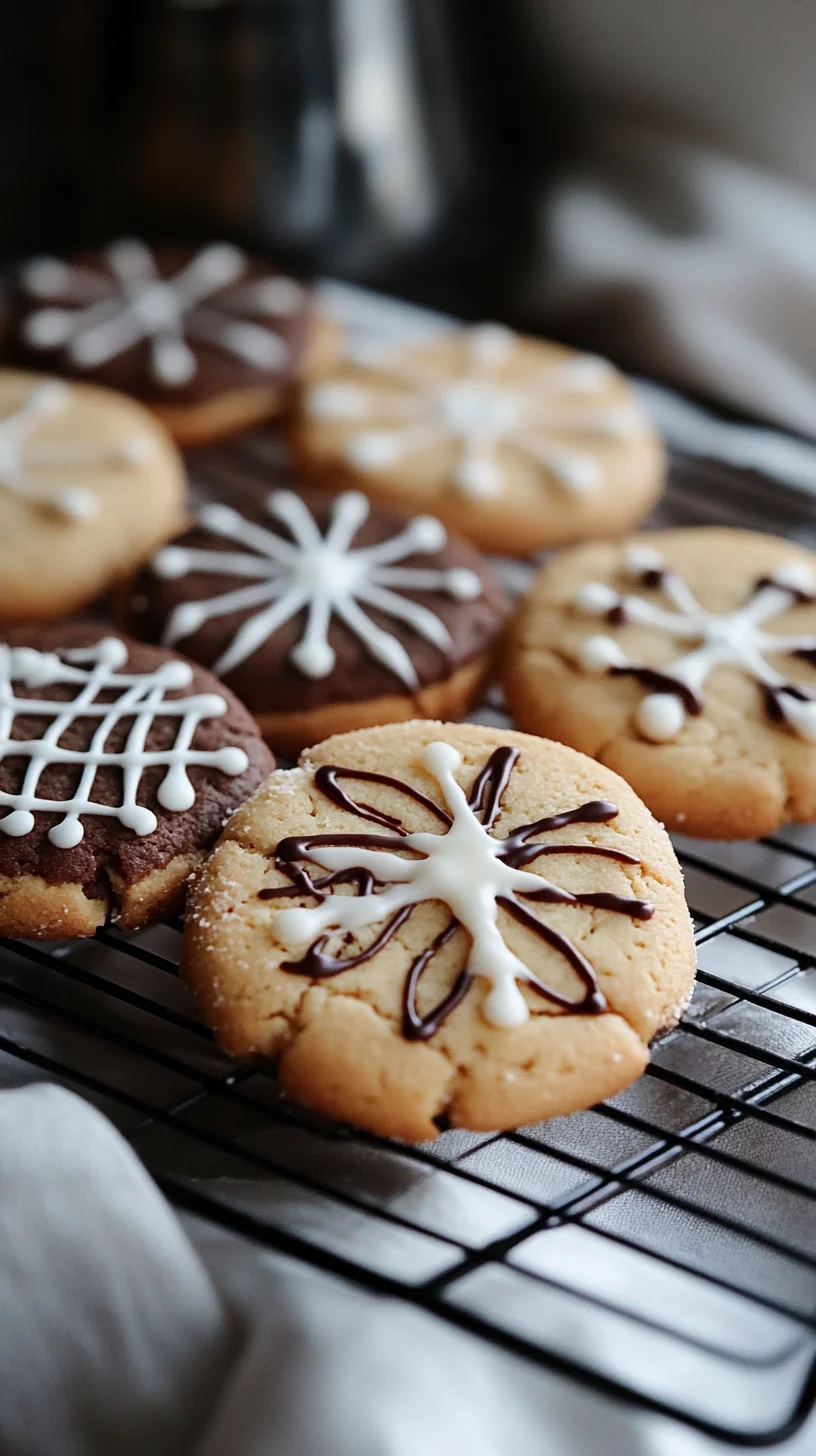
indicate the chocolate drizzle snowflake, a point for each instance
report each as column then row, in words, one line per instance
column 465, row 866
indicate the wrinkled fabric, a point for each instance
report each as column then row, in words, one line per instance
column 127, row 1331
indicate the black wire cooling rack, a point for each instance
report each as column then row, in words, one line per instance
column 661, row 1247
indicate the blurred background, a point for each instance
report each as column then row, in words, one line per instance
column 632, row 176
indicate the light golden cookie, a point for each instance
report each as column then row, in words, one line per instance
column 323, row 615
column 118, row 765
column 90, row 484
column 378, row 920
column 211, row 339
column 518, row 443
column 686, row 661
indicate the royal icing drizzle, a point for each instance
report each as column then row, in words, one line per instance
column 41, row 473
column 322, row 575
column 101, row 315
column 408, row 407
column 729, row 639
column 141, row 698
column 464, row 866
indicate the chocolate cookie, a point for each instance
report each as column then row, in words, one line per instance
column 428, row 923
column 518, row 443
column 211, row 339
column 90, row 484
column 686, row 661
column 326, row 615
column 118, row 766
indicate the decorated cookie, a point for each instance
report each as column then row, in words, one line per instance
column 427, row 925
column 324, row 614
column 686, row 661
column 211, row 339
column 119, row 763
column 521, row 444
column 90, row 484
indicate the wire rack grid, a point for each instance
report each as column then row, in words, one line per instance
column 661, row 1247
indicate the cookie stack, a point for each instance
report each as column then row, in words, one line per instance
column 425, row 922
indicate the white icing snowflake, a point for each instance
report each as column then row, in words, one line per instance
column 320, row 574
column 37, row 471
column 95, row 670
column 471, row 872
column 480, row 411
column 112, row 312
column 729, row 639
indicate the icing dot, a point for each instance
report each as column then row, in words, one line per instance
column 280, row 296
column 51, row 397
column 232, row 761
column 796, row 575
column 598, row 654
column 428, row 534
column 175, row 792
column 221, row 264
column 46, row 277
column 48, row 328
column 492, row 343
column 79, row 504
column 464, row 584
column 638, row 560
column 140, row 820
column 336, row 401
column 441, row 758
column 505, row 1006
column 373, row 449
column 171, row 563
column 661, row 717
column 478, row 476
column 218, row 518
column 211, row 705
column 596, row 599
column 137, row 450
column 578, row 472
column 180, row 675
column 586, row 372
column 187, row 619
column 257, row 345
column 68, row 834
column 313, row 659
column 172, row 361
column 18, row 823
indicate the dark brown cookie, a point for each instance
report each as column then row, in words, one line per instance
column 118, row 795
column 210, row 338
column 324, row 614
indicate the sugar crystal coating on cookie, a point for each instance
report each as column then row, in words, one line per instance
column 466, row 867
column 429, row 921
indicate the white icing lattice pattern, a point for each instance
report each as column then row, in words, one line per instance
column 322, row 575
column 731, row 639
column 141, row 697
column 41, row 473
column 461, row 867
column 407, row 408
column 110, row 313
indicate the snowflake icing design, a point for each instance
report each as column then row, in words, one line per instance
column 464, row 866
column 141, row 697
column 731, row 639
column 37, row 471
column 322, row 575
column 113, row 312
column 479, row 411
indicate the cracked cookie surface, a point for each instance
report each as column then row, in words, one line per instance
column 686, row 661
column 429, row 924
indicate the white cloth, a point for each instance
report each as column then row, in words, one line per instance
column 123, row 1331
